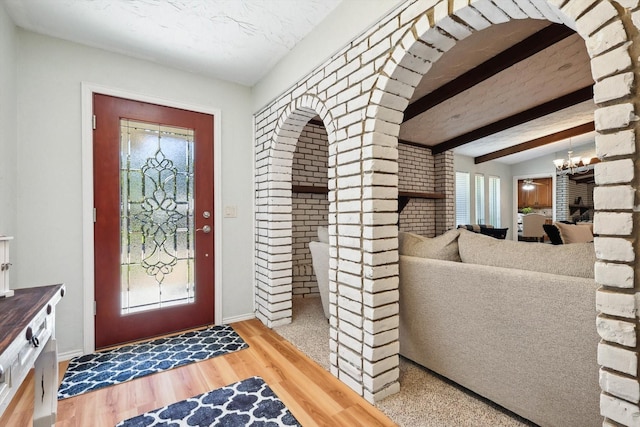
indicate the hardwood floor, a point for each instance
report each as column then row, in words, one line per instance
column 313, row 395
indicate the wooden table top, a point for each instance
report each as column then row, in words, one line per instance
column 17, row 311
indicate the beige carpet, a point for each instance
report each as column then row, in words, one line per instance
column 424, row 399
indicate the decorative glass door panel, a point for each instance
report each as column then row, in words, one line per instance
column 156, row 193
column 153, row 198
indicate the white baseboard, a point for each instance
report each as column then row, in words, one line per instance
column 68, row 355
column 240, row 318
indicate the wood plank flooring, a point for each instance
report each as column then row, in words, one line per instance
column 313, row 395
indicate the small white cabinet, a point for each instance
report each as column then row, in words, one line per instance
column 5, row 264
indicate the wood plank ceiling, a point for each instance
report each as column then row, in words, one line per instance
column 503, row 92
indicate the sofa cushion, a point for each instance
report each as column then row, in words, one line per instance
column 575, row 233
column 444, row 247
column 567, row 260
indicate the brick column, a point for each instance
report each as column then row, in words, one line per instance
column 276, row 140
column 562, row 198
column 616, row 220
column 364, row 321
column 445, row 184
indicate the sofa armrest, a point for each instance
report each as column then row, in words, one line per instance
column 320, row 260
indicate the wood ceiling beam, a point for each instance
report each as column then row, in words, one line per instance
column 413, row 144
column 538, row 142
column 528, row 47
column 586, row 178
column 569, row 100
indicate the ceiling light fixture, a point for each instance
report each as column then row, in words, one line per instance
column 573, row 164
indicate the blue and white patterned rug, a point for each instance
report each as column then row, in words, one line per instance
column 106, row 368
column 250, row 402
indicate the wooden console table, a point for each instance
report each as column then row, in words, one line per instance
column 27, row 339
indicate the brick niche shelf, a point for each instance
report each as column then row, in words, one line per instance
column 403, row 196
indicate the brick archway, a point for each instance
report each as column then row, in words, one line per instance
column 365, row 88
column 603, row 29
column 273, row 208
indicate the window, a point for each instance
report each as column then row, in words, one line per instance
column 480, row 217
column 463, row 205
column 494, row 201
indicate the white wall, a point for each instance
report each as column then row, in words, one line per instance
column 49, row 241
column 544, row 164
column 349, row 19
column 538, row 166
column 492, row 168
column 7, row 123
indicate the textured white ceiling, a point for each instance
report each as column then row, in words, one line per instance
column 234, row 40
column 241, row 40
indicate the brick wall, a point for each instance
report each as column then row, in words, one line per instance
column 585, row 192
column 310, row 211
column 567, row 190
column 310, row 157
column 360, row 93
column 416, row 173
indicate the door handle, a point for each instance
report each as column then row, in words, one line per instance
column 205, row 229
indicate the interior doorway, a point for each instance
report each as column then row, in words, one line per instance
column 533, row 193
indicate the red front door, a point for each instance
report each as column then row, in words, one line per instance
column 153, row 231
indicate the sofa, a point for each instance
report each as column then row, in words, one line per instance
column 511, row 321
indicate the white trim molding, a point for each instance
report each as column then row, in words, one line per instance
column 88, row 89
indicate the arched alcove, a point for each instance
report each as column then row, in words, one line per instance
column 274, row 227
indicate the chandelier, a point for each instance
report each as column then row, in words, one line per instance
column 574, row 164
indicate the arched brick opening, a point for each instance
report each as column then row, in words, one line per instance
column 605, row 31
column 273, row 208
column 361, row 93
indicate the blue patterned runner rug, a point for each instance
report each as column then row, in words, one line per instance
column 250, row 402
column 106, row 368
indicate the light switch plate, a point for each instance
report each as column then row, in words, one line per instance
column 230, row 211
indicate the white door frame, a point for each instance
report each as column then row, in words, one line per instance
column 88, row 89
column 514, row 209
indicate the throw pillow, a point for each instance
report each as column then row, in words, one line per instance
column 407, row 240
column 444, row 247
column 323, row 234
column 567, row 260
column 498, row 233
column 575, row 233
column 553, row 233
